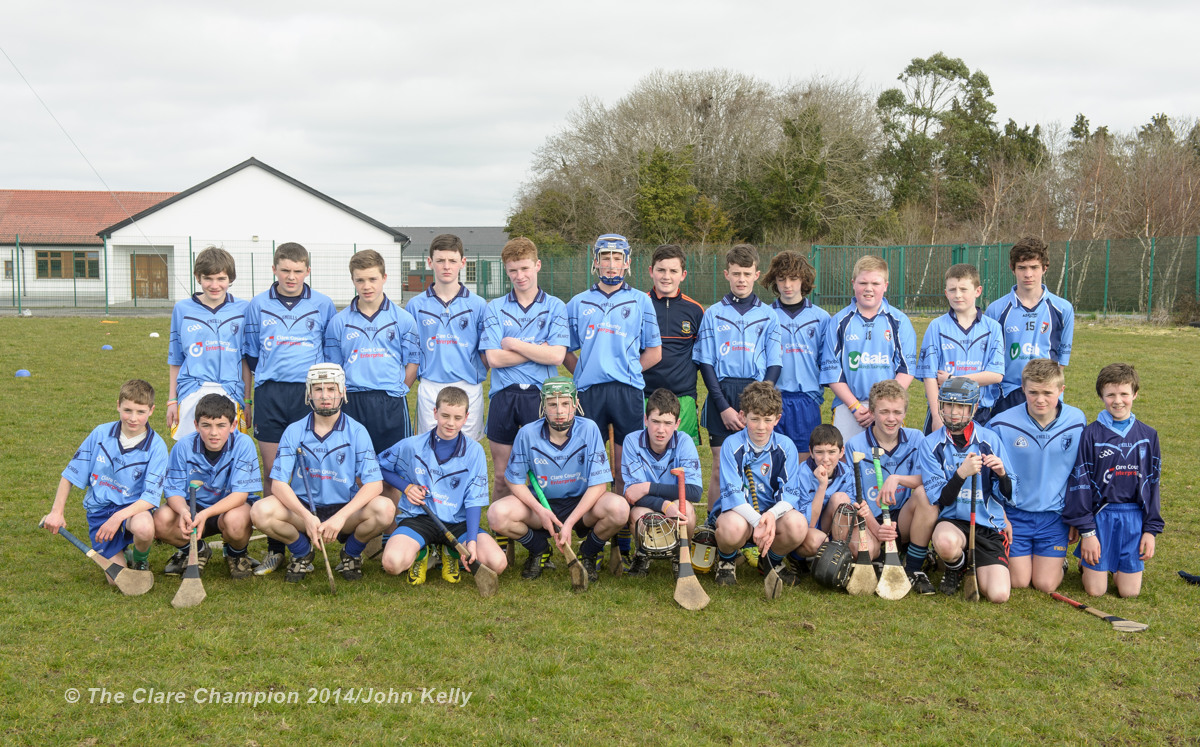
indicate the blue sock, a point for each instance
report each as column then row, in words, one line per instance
column 773, row 559
column 729, row 556
column 914, row 559
column 591, row 546
column 536, row 541
column 301, row 546
column 624, row 539
column 354, row 546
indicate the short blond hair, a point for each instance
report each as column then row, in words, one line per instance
column 1043, row 371
column 886, row 389
column 870, row 263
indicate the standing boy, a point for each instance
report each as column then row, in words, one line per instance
column 449, row 322
column 448, row 472
column 866, row 342
column 285, row 336
column 1036, row 323
column 567, row 456
column 338, row 462
column 962, row 342
column 679, row 320
column 1113, row 499
column 738, row 344
column 121, row 465
column 224, row 461
column 204, row 354
column 952, row 460
column 647, row 458
column 524, row 339
column 375, row 342
column 1042, row 438
column 761, row 497
column 802, row 328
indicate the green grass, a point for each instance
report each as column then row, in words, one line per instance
column 621, row 663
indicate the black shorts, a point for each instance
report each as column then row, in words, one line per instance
column 562, row 508
column 989, row 544
column 732, row 389
column 325, row 513
column 511, row 408
column 428, row 530
column 615, row 404
column 385, row 417
column 277, row 404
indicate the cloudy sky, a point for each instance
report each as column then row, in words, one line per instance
column 422, row 114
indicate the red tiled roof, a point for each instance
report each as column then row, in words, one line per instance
column 68, row 218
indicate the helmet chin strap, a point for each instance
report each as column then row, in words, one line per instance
column 326, row 411
column 560, row 427
column 613, row 280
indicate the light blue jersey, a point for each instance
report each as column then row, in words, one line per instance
column 1042, row 458
column 938, row 459
column 901, row 460
column 841, row 481
column 563, row 472
column 861, row 352
column 207, row 344
column 373, row 350
column 1044, row 331
column 610, row 332
column 286, row 335
column 114, row 477
column 640, row 464
column 449, row 336
column 802, row 336
column 236, row 470
column 739, row 338
column 453, row 486
column 962, row 352
column 543, row 321
column 760, row 477
column 334, row 462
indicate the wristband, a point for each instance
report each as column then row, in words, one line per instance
column 1091, row 533
column 172, row 402
column 856, row 406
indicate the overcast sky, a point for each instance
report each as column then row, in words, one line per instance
column 429, row 115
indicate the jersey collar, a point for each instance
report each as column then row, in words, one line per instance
column 273, row 292
column 228, row 300
column 198, row 443
column 538, row 298
column 144, row 444
column 338, row 425
column 804, row 305
column 1017, row 299
column 387, row 304
column 462, row 293
column 460, row 445
column 884, row 308
column 644, row 442
column 954, row 319
column 623, row 286
column 901, row 439
column 570, row 433
column 749, row 301
column 655, row 296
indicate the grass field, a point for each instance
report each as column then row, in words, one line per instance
column 621, row 663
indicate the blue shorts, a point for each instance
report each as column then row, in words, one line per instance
column 277, row 404
column 511, row 408
column 800, row 415
column 1041, row 533
column 115, row 546
column 385, row 417
column 732, row 389
column 1119, row 529
column 615, row 404
column 424, row 531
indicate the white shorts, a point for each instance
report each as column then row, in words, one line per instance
column 427, row 392
column 844, row 421
column 187, row 409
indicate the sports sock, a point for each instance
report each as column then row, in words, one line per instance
column 915, row 559
column 727, row 556
column 957, row 565
column 421, row 555
column 139, row 556
column 231, row 552
column 773, row 559
column 535, row 541
column 451, row 552
column 354, row 546
column 591, row 546
column 501, row 540
column 275, row 546
column 300, row 547
column 624, row 538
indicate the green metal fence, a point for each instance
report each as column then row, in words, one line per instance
column 1151, row 277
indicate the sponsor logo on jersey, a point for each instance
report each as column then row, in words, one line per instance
column 725, row 348
column 540, row 460
column 723, row 327
column 591, row 332
column 351, row 335
column 948, row 346
column 353, row 356
column 431, row 343
column 196, row 349
column 1045, row 327
column 1020, row 443
column 851, row 336
column 1105, row 453
column 764, row 469
column 1012, row 328
column 686, row 328
column 268, row 322
column 887, row 335
column 195, row 328
column 428, row 322
column 857, row 360
column 269, row 343
column 543, row 481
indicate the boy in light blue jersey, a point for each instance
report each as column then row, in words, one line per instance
column 647, row 459
column 802, row 328
column 866, row 342
column 961, row 342
column 1042, row 439
column 761, row 495
column 122, row 466
column 524, row 340
column 375, row 342
column 738, row 344
column 285, row 335
column 333, row 454
column 225, row 463
column 1036, row 323
column 204, row 354
column 614, row 328
column 913, row 516
column 449, row 324
column 951, row 461
column 446, row 471
column 566, row 455
column 825, row 478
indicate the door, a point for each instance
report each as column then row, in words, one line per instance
column 149, row 276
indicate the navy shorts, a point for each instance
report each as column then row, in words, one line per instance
column 1041, row 533
column 385, row 417
column 800, row 415
column 511, row 408
column 277, row 404
column 424, row 531
column 615, row 404
column 122, row 539
column 989, row 544
column 732, row 389
column 1119, row 529
column 562, row 508
column 325, row 512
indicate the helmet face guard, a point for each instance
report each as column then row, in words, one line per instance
column 834, row 562
column 958, row 391
column 657, row 535
column 553, row 388
column 321, row 373
column 607, row 244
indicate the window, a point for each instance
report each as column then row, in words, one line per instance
column 8, row 269
column 68, row 265
column 471, row 268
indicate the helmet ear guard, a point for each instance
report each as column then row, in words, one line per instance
column 657, row 535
